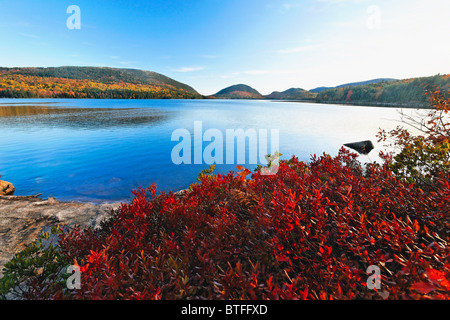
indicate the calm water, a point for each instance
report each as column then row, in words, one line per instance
column 99, row 150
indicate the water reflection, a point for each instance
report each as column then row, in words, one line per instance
column 35, row 115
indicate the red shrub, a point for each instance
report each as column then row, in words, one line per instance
column 309, row 232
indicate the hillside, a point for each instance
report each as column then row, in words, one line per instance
column 353, row 84
column 239, row 91
column 407, row 93
column 377, row 92
column 291, row 94
column 114, row 83
column 90, row 82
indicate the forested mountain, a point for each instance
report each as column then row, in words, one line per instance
column 238, row 91
column 90, row 82
column 353, row 84
column 407, row 93
column 291, row 94
column 107, row 83
column 377, row 92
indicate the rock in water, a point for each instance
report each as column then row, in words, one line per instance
column 363, row 147
column 6, row 188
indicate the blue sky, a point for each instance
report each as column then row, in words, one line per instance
column 211, row 44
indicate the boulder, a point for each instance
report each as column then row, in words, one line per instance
column 362, row 147
column 22, row 219
column 6, row 188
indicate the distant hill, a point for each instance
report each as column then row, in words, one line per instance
column 90, row 82
column 291, row 94
column 115, row 83
column 353, row 84
column 238, row 91
column 405, row 93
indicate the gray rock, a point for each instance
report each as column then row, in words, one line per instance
column 22, row 219
column 181, row 193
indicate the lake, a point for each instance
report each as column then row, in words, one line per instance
column 100, row 150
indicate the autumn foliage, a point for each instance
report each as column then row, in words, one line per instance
column 309, row 232
column 408, row 92
column 29, row 86
column 423, row 157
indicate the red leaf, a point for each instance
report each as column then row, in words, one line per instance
column 423, row 287
column 438, row 278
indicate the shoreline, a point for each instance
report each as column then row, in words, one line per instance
column 339, row 103
column 23, row 218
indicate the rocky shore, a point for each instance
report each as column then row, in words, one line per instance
column 23, row 218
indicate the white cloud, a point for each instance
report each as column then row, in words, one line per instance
column 189, row 69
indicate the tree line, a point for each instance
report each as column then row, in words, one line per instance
column 409, row 92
